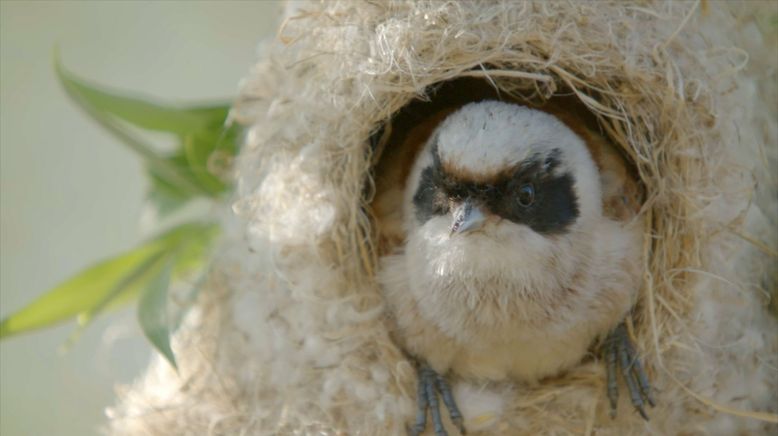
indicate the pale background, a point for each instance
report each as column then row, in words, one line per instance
column 70, row 194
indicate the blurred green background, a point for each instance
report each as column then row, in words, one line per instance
column 70, row 194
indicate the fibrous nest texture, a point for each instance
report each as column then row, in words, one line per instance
column 289, row 336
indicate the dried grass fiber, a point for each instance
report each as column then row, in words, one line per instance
column 289, row 336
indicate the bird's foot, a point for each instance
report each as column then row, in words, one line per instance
column 430, row 384
column 619, row 352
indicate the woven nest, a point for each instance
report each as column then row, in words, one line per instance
column 290, row 336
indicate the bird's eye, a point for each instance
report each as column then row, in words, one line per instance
column 526, row 195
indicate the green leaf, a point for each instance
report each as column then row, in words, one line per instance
column 227, row 139
column 164, row 197
column 126, row 289
column 152, row 313
column 144, row 113
column 198, row 150
column 121, row 293
column 104, row 110
column 116, row 281
column 78, row 294
column 201, row 130
column 188, row 233
column 196, row 251
column 194, row 242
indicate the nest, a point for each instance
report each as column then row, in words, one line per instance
column 290, row 337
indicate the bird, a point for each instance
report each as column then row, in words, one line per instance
column 518, row 247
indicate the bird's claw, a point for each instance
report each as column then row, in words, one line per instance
column 620, row 352
column 430, row 384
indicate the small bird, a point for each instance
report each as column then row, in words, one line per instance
column 520, row 251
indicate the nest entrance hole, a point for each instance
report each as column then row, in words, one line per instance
column 397, row 142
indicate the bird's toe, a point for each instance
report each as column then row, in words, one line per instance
column 430, row 385
column 619, row 352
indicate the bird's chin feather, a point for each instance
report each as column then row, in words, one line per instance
column 502, row 277
column 501, row 252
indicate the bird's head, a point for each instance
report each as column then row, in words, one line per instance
column 500, row 179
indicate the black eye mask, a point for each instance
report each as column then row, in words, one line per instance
column 552, row 209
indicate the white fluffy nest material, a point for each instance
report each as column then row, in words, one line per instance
column 289, row 337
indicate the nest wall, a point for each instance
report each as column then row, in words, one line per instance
column 289, row 336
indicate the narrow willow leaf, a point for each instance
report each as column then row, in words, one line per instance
column 198, row 150
column 187, row 245
column 210, row 156
column 227, row 139
column 197, row 249
column 128, row 285
column 156, row 162
column 167, row 198
column 114, row 281
column 224, row 141
column 201, row 131
column 78, row 294
column 152, row 313
column 121, row 293
column 185, row 232
column 164, row 197
column 143, row 112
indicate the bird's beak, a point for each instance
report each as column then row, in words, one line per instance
column 467, row 216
